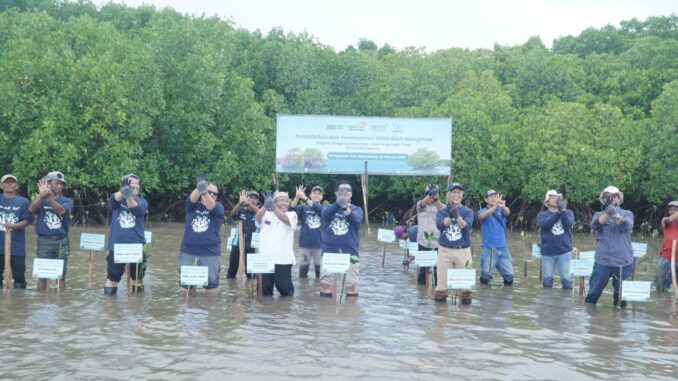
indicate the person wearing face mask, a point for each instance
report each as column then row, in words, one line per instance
column 127, row 226
column 427, row 233
column 277, row 224
column 310, row 238
column 52, row 211
column 341, row 227
column 494, row 248
column 454, row 223
column 614, row 253
column 201, row 243
column 555, row 230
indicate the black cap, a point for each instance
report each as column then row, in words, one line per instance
column 452, row 186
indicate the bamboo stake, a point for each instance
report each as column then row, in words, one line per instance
column 8, row 260
column 334, row 288
column 383, row 257
column 364, row 183
column 90, row 267
column 260, row 288
column 673, row 269
column 241, row 249
column 129, row 281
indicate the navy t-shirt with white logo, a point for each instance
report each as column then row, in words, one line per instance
column 201, row 231
column 14, row 210
column 48, row 223
column 127, row 224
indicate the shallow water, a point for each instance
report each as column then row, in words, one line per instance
column 393, row 330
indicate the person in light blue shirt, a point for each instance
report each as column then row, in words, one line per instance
column 494, row 250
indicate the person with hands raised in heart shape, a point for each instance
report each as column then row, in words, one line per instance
column 310, row 237
column 555, row 230
column 494, row 248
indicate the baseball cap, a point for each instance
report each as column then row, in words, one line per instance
column 317, row 187
column 490, row 193
column 8, row 176
column 674, row 203
column 56, row 175
column 431, row 187
column 455, row 185
column 398, row 231
column 277, row 195
column 252, row 193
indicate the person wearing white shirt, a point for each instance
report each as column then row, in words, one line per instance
column 276, row 238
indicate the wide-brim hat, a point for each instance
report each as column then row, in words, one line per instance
column 551, row 193
column 614, row 190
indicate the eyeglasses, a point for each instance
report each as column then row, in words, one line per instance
column 345, row 189
column 215, row 194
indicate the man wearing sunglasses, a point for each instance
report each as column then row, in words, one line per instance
column 614, row 252
column 201, row 244
column 341, row 225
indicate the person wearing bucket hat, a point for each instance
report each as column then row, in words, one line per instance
column 277, row 224
column 670, row 228
column 454, row 223
column 555, row 230
column 127, row 226
column 494, row 249
column 614, row 253
column 427, row 233
column 14, row 217
column 310, row 236
column 52, row 211
column 245, row 210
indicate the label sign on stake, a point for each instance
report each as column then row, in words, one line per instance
column 149, row 236
column 128, row 253
column 260, row 264
column 639, row 249
column 581, row 267
column 386, row 236
column 194, row 275
column 536, row 251
column 48, row 268
column 233, row 238
column 636, row 291
column 402, row 243
column 425, row 258
column 336, row 263
column 413, row 246
column 90, row 241
column 460, row 279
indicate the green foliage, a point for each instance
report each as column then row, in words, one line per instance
column 99, row 92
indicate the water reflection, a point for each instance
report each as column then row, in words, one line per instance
column 393, row 330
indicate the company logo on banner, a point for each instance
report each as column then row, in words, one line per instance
column 342, row 145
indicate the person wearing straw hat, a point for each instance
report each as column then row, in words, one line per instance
column 201, row 243
column 341, row 234
column 427, row 234
column 454, row 223
column 14, row 217
column 310, row 236
column 670, row 228
column 277, row 224
column 52, row 211
column 494, row 249
column 127, row 226
column 614, row 253
column 245, row 210
column 555, row 225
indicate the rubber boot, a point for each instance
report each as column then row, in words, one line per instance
column 303, row 271
column 110, row 290
column 508, row 282
column 317, row 271
column 440, row 296
column 466, row 297
column 19, row 284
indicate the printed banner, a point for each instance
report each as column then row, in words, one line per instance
column 342, row 145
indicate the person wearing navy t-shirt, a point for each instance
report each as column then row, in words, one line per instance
column 52, row 211
column 244, row 211
column 14, row 217
column 555, row 230
column 341, row 226
column 127, row 226
column 494, row 250
column 310, row 237
column 201, row 244
column 454, row 252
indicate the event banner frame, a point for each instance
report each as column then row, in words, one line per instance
column 327, row 144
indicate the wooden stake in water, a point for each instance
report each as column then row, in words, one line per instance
column 90, row 267
column 673, row 269
column 619, row 297
column 260, row 288
column 334, row 288
column 383, row 257
column 8, row 260
column 364, row 184
column 633, row 269
column 129, row 281
column 241, row 250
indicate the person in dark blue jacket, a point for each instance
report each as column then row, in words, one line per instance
column 341, row 223
column 614, row 252
column 310, row 237
column 555, row 225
